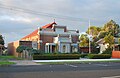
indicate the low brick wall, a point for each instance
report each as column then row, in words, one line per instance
column 115, row 54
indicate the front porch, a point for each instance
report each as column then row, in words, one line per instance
column 50, row 47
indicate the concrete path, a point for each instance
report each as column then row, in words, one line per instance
column 24, row 62
column 35, row 62
column 75, row 60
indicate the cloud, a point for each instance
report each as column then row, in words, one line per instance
column 16, row 19
column 21, row 22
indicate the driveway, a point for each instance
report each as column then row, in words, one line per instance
column 24, row 62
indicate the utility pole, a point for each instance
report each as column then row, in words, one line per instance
column 89, row 39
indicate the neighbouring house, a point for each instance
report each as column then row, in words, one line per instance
column 86, row 50
column 102, row 45
column 50, row 38
column 13, row 45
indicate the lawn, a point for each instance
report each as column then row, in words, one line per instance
column 4, row 63
column 9, row 58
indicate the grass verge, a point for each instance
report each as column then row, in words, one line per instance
column 9, row 58
column 6, row 63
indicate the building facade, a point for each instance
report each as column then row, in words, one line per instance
column 54, row 38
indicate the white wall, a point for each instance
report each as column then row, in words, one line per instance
column 34, row 44
column 103, row 47
column 67, row 49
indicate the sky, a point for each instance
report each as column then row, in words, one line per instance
column 20, row 17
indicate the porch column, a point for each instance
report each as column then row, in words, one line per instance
column 45, row 48
column 50, row 48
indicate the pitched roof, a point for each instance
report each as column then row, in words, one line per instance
column 101, row 41
column 36, row 31
column 31, row 34
column 48, row 25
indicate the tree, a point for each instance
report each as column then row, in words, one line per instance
column 1, row 40
column 84, row 41
column 111, row 27
column 109, row 39
column 93, row 30
column 20, row 49
column 102, row 34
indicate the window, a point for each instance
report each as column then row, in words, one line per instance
column 64, row 48
column 59, row 30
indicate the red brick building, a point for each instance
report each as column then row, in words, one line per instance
column 53, row 38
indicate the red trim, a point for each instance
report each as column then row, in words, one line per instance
column 34, row 33
column 31, row 34
column 48, row 25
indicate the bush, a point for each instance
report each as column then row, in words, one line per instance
column 56, row 56
column 99, row 56
column 83, row 55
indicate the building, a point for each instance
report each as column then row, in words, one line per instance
column 102, row 45
column 53, row 38
column 13, row 45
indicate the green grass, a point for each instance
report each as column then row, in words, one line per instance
column 4, row 63
column 78, row 62
column 9, row 58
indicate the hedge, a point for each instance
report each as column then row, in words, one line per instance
column 56, row 56
column 83, row 55
column 99, row 56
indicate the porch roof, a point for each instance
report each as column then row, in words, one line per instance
column 50, row 44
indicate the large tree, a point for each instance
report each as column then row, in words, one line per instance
column 112, row 28
column 109, row 39
column 93, row 30
column 1, row 40
column 84, row 40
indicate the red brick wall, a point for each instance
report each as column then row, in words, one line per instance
column 115, row 54
column 75, row 39
column 12, row 46
column 45, row 39
column 26, row 43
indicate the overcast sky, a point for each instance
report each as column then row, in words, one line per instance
column 20, row 17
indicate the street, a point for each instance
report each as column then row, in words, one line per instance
column 91, row 70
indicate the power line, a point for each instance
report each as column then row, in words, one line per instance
column 23, row 10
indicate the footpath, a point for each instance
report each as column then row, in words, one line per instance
column 24, row 62
column 77, row 60
column 37, row 62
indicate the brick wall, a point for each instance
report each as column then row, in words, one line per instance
column 12, row 46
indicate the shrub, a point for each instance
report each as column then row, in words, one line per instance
column 99, row 56
column 83, row 55
column 56, row 56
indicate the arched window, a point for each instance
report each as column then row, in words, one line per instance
column 64, row 48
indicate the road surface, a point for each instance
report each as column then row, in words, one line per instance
column 91, row 70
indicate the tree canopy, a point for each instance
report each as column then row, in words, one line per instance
column 1, row 40
column 93, row 30
column 109, row 30
column 84, row 40
column 20, row 49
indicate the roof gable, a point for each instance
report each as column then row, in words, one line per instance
column 48, row 25
column 31, row 34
